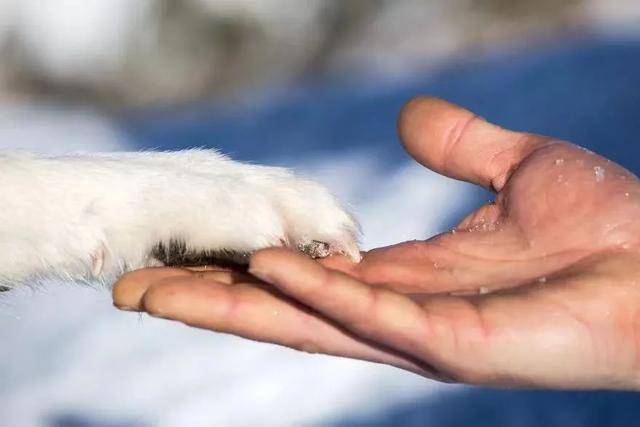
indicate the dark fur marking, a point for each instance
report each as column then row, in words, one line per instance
column 177, row 254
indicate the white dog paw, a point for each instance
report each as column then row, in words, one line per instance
column 243, row 208
column 96, row 216
column 205, row 208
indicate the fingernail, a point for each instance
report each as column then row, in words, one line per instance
column 126, row 308
column 265, row 277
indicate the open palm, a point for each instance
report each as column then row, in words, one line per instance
column 539, row 288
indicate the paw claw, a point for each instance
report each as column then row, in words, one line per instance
column 97, row 261
column 315, row 249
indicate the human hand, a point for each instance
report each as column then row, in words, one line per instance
column 539, row 288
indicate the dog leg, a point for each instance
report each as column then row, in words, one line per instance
column 87, row 217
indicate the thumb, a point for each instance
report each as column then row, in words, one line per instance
column 457, row 143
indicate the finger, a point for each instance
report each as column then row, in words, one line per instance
column 375, row 314
column 455, row 142
column 464, row 262
column 340, row 263
column 260, row 314
column 128, row 291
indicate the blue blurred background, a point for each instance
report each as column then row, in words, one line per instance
column 317, row 90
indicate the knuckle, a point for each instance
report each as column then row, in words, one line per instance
column 156, row 298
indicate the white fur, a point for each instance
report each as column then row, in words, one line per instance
column 87, row 217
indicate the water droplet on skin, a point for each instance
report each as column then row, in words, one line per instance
column 453, row 231
column 275, row 312
column 599, row 172
column 543, row 279
column 435, row 265
column 626, row 194
column 626, row 246
column 483, row 290
column 560, row 178
column 559, row 162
